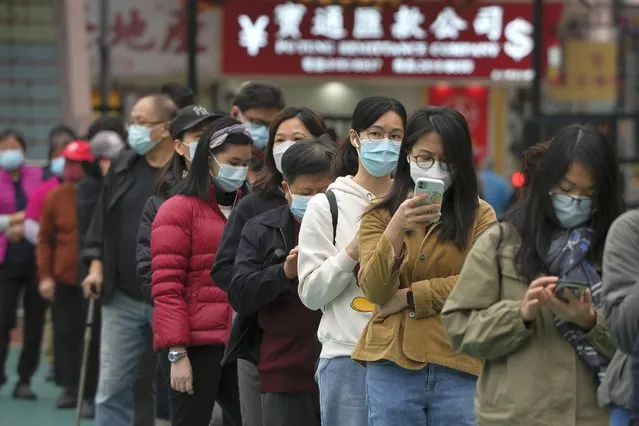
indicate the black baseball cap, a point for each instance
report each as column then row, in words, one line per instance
column 189, row 117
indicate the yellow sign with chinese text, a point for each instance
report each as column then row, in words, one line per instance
column 590, row 72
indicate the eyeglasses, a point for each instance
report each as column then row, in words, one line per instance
column 425, row 162
column 568, row 200
column 142, row 123
column 378, row 134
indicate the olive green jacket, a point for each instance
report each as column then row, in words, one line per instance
column 531, row 375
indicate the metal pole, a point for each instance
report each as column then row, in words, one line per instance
column 617, row 14
column 105, row 59
column 191, row 44
column 537, row 55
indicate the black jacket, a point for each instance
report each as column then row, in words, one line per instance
column 143, row 246
column 259, row 279
column 250, row 206
column 244, row 340
column 89, row 190
column 102, row 238
column 260, row 263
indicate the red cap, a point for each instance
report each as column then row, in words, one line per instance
column 78, row 151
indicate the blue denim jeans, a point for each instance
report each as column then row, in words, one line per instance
column 342, row 386
column 126, row 323
column 619, row 416
column 432, row 396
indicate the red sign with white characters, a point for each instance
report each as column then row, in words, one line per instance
column 472, row 102
column 429, row 39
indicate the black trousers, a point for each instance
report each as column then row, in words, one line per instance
column 68, row 313
column 16, row 277
column 211, row 382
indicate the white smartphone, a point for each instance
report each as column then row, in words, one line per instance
column 433, row 187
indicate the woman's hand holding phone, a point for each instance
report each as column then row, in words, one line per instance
column 577, row 310
column 412, row 214
column 536, row 296
column 415, row 213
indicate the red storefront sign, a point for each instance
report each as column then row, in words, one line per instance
column 430, row 39
column 472, row 102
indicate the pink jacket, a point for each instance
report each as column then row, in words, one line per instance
column 31, row 179
column 37, row 199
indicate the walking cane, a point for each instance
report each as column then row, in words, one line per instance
column 85, row 358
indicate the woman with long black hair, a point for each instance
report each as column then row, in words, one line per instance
column 191, row 316
column 527, row 302
column 410, row 259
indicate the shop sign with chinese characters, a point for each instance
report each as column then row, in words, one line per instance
column 431, row 39
column 148, row 38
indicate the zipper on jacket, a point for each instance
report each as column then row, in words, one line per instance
column 284, row 238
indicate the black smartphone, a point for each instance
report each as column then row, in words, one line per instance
column 578, row 290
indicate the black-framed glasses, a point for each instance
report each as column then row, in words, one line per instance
column 425, row 162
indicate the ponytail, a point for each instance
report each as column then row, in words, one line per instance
column 345, row 161
column 170, row 174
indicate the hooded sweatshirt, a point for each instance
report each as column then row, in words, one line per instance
column 327, row 280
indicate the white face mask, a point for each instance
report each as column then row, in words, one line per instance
column 436, row 171
column 192, row 148
column 278, row 153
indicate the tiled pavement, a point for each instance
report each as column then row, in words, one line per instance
column 32, row 413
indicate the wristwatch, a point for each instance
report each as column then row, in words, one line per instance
column 176, row 356
column 409, row 299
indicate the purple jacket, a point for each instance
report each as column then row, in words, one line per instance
column 31, row 179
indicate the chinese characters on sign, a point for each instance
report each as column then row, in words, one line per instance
column 425, row 39
column 148, row 37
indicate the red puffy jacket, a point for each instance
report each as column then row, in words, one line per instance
column 189, row 309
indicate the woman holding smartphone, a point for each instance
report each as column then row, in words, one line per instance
column 506, row 308
column 410, row 259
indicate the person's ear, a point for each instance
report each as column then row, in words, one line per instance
column 235, row 112
column 165, row 131
column 285, row 187
column 179, row 147
column 352, row 135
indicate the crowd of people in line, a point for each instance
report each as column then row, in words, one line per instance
column 252, row 262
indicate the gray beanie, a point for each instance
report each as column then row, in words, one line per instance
column 106, row 144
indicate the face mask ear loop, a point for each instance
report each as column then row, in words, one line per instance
column 357, row 146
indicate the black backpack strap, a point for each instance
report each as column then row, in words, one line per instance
column 332, row 204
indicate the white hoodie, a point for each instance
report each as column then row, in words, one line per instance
column 326, row 279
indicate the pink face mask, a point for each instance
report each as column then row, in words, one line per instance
column 73, row 172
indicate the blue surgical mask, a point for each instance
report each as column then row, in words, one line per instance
column 11, row 159
column 140, row 139
column 571, row 210
column 57, row 166
column 259, row 134
column 278, row 153
column 229, row 178
column 380, row 157
column 299, row 204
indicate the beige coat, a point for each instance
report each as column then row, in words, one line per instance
column 531, row 375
